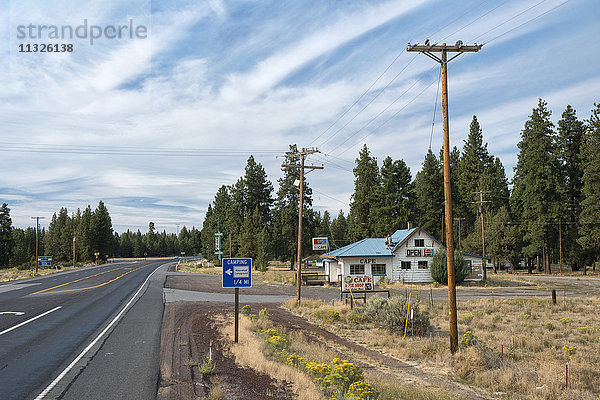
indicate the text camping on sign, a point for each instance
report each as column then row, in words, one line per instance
column 320, row 243
column 357, row 283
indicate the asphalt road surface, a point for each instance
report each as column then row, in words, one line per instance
column 91, row 333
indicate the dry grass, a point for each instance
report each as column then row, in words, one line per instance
column 250, row 351
column 13, row 274
column 198, row 267
column 273, row 275
column 518, row 350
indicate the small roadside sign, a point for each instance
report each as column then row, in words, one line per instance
column 44, row 261
column 237, row 272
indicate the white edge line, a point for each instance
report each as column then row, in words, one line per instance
column 30, row 320
column 80, row 356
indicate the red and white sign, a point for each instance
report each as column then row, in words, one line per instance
column 357, row 282
column 319, row 243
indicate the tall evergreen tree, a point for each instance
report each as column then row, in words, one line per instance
column 6, row 237
column 366, row 184
column 395, row 202
column 536, row 190
column 339, row 231
column 429, row 190
column 285, row 213
column 251, row 229
column 570, row 138
column 101, row 230
column 258, row 190
column 589, row 228
column 84, row 236
column 472, row 167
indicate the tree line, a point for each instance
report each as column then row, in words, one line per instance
column 551, row 210
column 553, row 205
column 91, row 234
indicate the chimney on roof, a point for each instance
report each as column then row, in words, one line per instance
column 409, row 225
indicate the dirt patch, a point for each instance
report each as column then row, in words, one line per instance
column 190, row 332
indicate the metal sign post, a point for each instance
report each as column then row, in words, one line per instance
column 237, row 273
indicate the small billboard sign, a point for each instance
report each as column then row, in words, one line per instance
column 320, row 243
column 357, row 283
column 44, row 261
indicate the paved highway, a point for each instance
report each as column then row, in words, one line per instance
column 92, row 333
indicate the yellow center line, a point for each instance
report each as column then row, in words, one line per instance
column 101, row 284
column 78, row 280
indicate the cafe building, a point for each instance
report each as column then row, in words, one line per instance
column 404, row 256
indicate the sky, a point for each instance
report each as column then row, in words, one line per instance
column 153, row 122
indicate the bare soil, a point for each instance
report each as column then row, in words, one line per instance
column 189, row 333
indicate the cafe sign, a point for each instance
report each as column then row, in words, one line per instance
column 357, row 283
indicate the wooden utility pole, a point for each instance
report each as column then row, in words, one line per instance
column 302, row 156
column 37, row 235
column 459, row 231
column 428, row 50
column 480, row 211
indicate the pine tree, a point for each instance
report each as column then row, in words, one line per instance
column 570, row 138
column 209, row 228
column 263, row 250
column 503, row 241
column 429, row 192
column 536, row 191
column 471, row 169
column 151, row 240
column 6, row 237
column 84, row 236
column 366, row 184
column 101, row 231
column 339, row 231
column 395, row 203
column 251, row 229
column 258, row 190
column 285, row 212
column 589, row 228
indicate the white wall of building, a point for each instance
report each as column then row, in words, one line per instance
column 419, row 247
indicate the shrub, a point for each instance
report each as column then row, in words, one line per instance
column 361, row 390
column 468, row 339
column 263, row 314
column 390, row 314
column 439, row 268
column 466, row 319
column 246, row 310
column 207, row 367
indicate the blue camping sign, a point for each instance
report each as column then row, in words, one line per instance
column 237, row 272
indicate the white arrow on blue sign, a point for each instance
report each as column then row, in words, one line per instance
column 237, row 272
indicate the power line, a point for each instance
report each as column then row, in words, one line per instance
column 369, row 103
column 510, row 19
column 475, row 20
column 393, row 79
column 332, row 198
column 385, row 122
column 359, row 98
column 528, row 21
column 435, row 108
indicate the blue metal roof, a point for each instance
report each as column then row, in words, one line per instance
column 401, row 234
column 364, row 248
column 375, row 247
